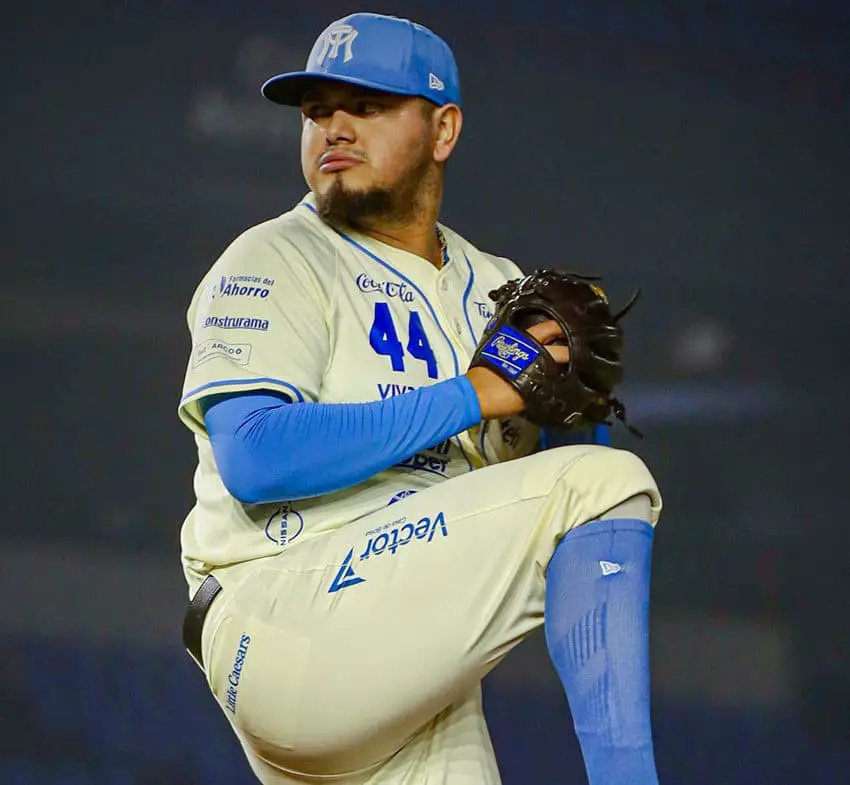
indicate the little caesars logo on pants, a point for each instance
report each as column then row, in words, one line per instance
column 235, row 675
column 238, row 353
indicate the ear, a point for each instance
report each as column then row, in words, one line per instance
column 447, row 123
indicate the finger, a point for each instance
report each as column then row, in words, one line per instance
column 560, row 354
column 546, row 331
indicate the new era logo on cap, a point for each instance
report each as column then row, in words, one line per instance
column 379, row 52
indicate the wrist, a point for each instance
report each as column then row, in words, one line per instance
column 474, row 377
column 496, row 398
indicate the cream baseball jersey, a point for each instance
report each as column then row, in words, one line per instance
column 321, row 315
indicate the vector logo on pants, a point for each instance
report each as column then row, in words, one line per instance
column 388, row 539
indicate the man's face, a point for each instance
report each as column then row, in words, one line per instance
column 365, row 154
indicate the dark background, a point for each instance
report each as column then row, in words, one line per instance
column 699, row 152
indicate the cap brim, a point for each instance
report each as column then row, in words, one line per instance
column 288, row 89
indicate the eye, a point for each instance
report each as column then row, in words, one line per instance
column 365, row 108
column 316, row 111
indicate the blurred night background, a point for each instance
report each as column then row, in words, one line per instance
column 697, row 150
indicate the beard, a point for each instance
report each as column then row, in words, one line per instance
column 364, row 207
column 343, row 206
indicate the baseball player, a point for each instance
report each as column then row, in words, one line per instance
column 377, row 524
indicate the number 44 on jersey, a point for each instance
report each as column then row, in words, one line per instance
column 384, row 339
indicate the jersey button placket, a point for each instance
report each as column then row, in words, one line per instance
column 454, row 326
column 445, row 287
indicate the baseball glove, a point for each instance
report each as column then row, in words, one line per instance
column 573, row 395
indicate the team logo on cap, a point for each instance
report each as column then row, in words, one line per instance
column 334, row 38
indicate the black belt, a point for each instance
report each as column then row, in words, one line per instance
column 193, row 621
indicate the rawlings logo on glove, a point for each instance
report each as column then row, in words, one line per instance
column 571, row 395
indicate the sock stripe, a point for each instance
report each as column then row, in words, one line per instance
column 587, row 635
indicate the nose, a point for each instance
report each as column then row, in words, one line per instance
column 339, row 128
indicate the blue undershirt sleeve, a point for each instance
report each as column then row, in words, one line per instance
column 268, row 449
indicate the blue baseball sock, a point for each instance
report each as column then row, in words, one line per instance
column 597, row 631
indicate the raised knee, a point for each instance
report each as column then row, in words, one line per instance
column 613, row 483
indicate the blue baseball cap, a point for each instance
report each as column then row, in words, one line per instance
column 381, row 52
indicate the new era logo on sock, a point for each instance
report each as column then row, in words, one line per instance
column 610, row 567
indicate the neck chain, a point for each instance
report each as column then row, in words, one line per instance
column 444, row 249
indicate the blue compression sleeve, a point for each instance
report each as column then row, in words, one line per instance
column 268, row 450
